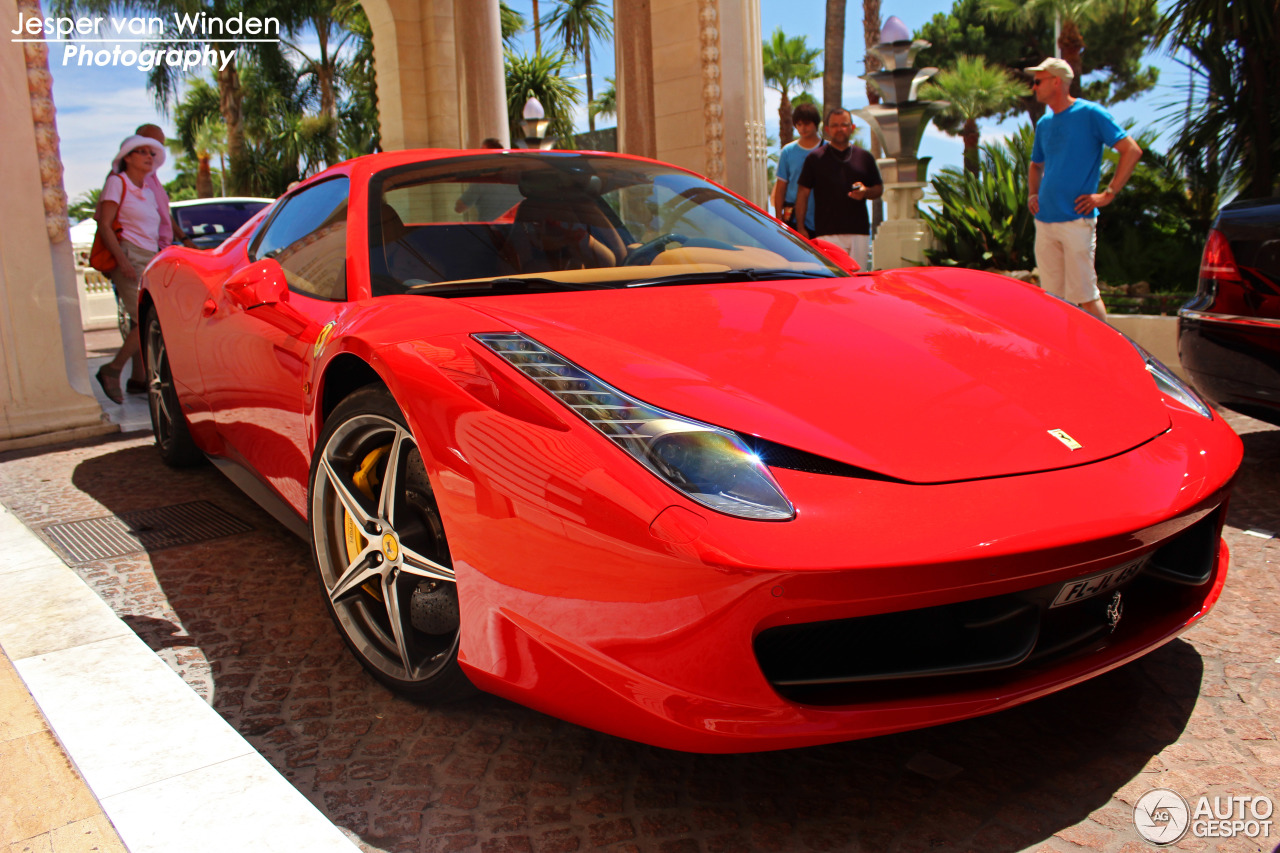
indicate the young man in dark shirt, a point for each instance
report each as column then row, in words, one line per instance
column 838, row 179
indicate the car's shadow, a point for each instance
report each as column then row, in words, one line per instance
column 406, row 777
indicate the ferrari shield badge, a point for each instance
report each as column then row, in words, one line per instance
column 323, row 338
column 1062, row 436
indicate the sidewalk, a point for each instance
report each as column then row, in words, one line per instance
column 103, row 747
column 45, row 805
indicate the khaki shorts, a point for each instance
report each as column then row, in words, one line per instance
column 1064, row 256
column 857, row 246
column 127, row 286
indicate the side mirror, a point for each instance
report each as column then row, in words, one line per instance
column 261, row 283
column 835, row 254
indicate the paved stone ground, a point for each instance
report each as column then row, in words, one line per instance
column 242, row 620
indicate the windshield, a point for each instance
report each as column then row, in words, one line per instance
column 520, row 221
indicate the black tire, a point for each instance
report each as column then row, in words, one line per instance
column 168, row 423
column 380, row 550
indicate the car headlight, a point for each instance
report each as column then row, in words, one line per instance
column 710, row 465
column 1171, row 386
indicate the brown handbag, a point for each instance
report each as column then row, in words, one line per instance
column 100, row 257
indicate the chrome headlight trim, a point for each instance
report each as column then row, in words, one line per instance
column 1170, row 385
column 706, row 463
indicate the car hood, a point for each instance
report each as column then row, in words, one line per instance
column 925, row 375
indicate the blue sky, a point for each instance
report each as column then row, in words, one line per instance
column 99, row 106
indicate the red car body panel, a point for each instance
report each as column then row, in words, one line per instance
column 592, row 590
column 740, row 356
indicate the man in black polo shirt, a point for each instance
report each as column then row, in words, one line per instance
column 838, row 178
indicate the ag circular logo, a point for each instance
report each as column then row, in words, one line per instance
column 1161, row 816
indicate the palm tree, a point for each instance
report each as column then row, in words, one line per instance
column 1235, row 45
column 358, row 125
column 871, row 35
column 976, row 90
column 606, row 103
column 201, row 135
column 539, row 76
column 788, row 62
column 324, row 71
column 833, row 44
column 575, row 22
column 512, row 23
column 210, row 139
column 163, row 79
column 871, row 27
column 1066, row 14
column 199, row 109
column 321, row 74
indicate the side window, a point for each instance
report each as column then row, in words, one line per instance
column 308, row 237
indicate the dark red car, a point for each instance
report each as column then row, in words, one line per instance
column 594, row 434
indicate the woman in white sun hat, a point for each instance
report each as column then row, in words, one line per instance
column 129, row 201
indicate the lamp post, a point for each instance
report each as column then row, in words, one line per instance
column 535, row 125
column 899, row 124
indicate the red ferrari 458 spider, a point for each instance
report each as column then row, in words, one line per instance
column 592, row 433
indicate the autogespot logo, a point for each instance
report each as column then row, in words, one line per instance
column 1161, row 816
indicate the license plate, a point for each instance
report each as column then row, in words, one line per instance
column 1079, row 590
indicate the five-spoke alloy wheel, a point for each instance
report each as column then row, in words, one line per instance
column 380, row 548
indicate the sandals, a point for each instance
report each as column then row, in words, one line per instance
column 110, row 381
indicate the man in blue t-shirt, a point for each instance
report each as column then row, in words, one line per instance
column 791, row 159
column 1066, row 165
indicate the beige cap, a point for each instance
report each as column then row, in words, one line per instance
column 1057, row 67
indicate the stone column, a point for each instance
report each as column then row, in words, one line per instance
column 633, row 62
column 440, row 45
column 746, row 146
column 44, row 385
column 399, row 72
column 414, row 47
column 708, row 90
column 480, row 71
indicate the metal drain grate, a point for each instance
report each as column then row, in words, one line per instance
column 143, row 530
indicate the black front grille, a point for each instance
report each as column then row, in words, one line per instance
column 917, row 652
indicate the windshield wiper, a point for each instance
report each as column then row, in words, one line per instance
column 727, row 276
column 508, row 283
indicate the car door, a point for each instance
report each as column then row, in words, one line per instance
column 256, row 347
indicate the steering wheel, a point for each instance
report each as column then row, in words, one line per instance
column 645, row 253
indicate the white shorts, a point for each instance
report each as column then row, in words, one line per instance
column 1064, row 255
column 857, row 245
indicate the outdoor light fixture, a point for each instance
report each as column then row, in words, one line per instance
column 894, row 30
column 535, row 125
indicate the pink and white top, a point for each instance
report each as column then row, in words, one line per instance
column 139, row 214
column 162, row 199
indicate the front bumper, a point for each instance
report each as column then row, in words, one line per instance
column 584, row 598
column 591, row 591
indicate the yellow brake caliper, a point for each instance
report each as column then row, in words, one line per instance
column 367, row 480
